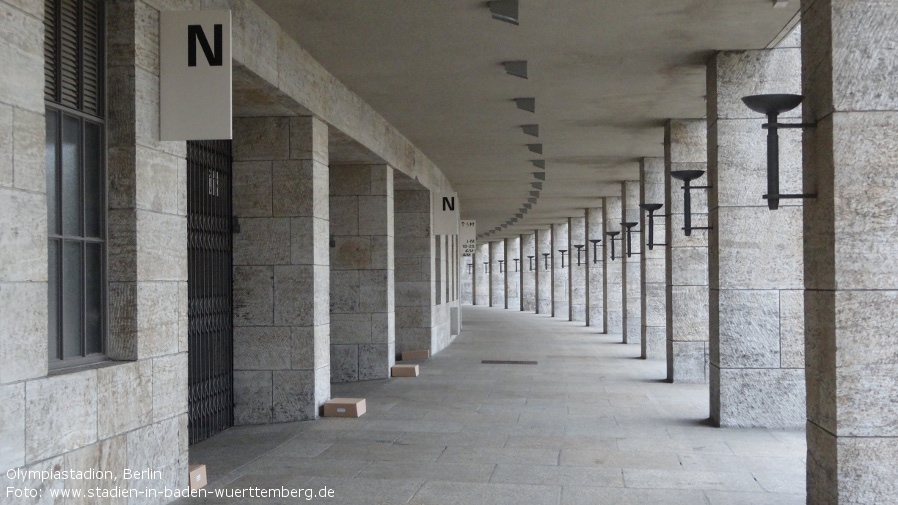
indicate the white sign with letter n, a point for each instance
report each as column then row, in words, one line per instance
column 195, row 75
column 467, row 237
column 445, row 213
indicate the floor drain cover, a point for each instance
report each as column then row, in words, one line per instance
column 507, row 362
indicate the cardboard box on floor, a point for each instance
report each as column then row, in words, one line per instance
column 197, row 476
column 410, row 355
column 344, row 407
column 404, row 371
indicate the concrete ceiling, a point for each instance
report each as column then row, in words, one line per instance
column 605, row 74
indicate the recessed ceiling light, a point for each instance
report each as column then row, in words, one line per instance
column 505, row 10
column 528, row 104
column 539, row 175
column 519, row 215
column 535, row 148
column 536, row 185
column 531, row 129
column 539, row 163
column 517, row 68
column 531, row 200
column 534, row 194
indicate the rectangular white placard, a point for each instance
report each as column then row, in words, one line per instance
column 195, row 75
column 445, row 213
column 467, row 237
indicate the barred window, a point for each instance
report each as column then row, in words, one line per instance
column 76, row 180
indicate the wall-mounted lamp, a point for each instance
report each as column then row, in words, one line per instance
column 612, row 234
column 530, row 259
column 773, row 106
column 516, row 260
column 579, row 248
column 546, row 257
column 486, row 267
column 629, row 226
column 651, row 208
column 595, row 255
column 563, row 252
column 471, row 268
column 501, row 263
column 687, row 176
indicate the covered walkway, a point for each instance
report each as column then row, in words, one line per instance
column 589, row 424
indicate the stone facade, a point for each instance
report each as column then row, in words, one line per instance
column 595, row 294
column 497, row 274
column 281, row 269
column 654, row 286
column 560, row 272
column 685, row 148
column 544, row 275
column 481, row 276
column 850, row 250
column 528, row 272
column 756, row 324
column 631, row 254
column 362, row 308
column 613, row 269
column 577, row 226
column 513, row 273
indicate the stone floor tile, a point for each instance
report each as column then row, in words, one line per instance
column 685, row 479
column 558, row 475
column 582, row 495
column 454, row 493
column 468, row 472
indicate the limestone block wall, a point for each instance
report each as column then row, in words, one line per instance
column 129, row 414
column 654, row 286
column 481, row 276
column 850, row 250
column 686, row 267
column 595, row 300
column 362, row 308
column 497, row 274
column 757, row 323
column 513, row 273
column 631, row 269
column 560, row 276
column 281, row 269
column 544, row 275
column 528, row 272
column 414, row 265
column 613, row 273
column 466, row 279
column 578, row 273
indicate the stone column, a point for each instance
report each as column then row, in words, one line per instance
column 497, row 274
column 595, row 301
column 281, row 269
column 631, row 269
column 756, row 265
column 654, row 286
column 578, row 273
column 481, row 278
column 415, row 287
column 466, row 279
column 851, row 250
column 362, row 310
column 613, row 275
column 512, row 278
column 685, row 147
column 528, row 276
column 543, row 274
column 560, row 276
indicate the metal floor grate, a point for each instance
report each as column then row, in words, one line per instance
column 507, row 362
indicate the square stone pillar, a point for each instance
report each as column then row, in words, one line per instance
column 613, row 274
column 685, row 148
column 497, row 274
column 543, row 272
column 578, row 274
column 560, row 276
column 512, row 277
column 851, row 250
column 631, row 279
column 362, row 310
column 756, row 266
column 281, row 269
column 415, row 265
column 652, row 261
column 528, row 272
column 466, row 279
column 481, row 277
column 595, row 294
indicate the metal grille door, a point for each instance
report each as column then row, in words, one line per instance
column 211, row 378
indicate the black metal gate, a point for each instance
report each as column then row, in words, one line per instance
column 210, row 375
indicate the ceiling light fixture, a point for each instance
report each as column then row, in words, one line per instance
column 535, row 148
column 530, row 129
column 536, row 185
column 505, row 11
column 541, row 164
column 517, row 68
column 527, row 104
column 539, row 176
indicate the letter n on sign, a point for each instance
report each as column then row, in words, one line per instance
column 445, row 213
column 195, row 75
